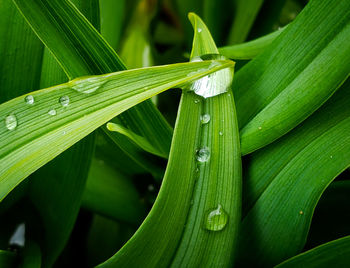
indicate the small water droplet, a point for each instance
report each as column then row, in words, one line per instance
column 87, row 85
column 63, row 133
column 221, row 133
column 205, row 118
column 301, row 212
column 216, row 219
column 196, row 101
column 331, row 156
column 203, row 154
column 199, row 30
column 11, row 122
column 29, row 99
column 259, row 128
column 52, row 112
column 64, row 100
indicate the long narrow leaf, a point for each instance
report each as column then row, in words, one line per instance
column 33, row 134
column 295, row 75
column 285, row 182
column 197, row 210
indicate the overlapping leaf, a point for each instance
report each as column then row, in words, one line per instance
column 33, row 134
column 285, row 181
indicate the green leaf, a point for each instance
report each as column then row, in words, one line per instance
column 81, row 50
column 111, row 194
column 335, row 253
column 285, row 181
column 251, row 49
column 177, row 231
column 137, row 139
column 64, row 176
column 31, row 256
column 297, row 73
column 7, row 259
column 42, row 130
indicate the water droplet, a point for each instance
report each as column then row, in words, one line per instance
column 331, row 156
column 259, row 128
column 199, row 30
column 203, row 154
column 205, row 118
column 221, row 133
column 215, row 83
column 216, row 219
column 52, row 112
column 196, row 101
column 11, row 122
column 29, row 99
column 87, row 85
column 18, row 237
column 301, row 212
column 63, row 133
column 150, row 188
column 64, row 100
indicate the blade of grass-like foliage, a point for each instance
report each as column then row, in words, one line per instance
column 195, row 218
column 335, row 253
column 245, row 14
column 286, row 179
column 66, row 175
column 112, row 16
column 251, row 49
column 64, row 114
column 7, row 259
column 81, row 50
column 111, row 194
column 295, row 75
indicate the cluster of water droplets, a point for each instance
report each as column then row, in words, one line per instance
column 11, row 120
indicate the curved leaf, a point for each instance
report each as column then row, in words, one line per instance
column 177, row 231
column 295, row 75
column 285, row 181
column 33, row 134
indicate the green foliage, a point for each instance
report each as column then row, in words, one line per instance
column 94, row 171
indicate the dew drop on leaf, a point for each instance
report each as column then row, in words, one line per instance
column 213, row 84
column 64, row 101
column 52, row 112
column 216, row 219
column 87, row 85
column 205, row 118
column 29, row 99
column 11, row 122
column 203, row 154
column 199, row 30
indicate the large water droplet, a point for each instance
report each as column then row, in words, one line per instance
column 64, row 100
column 87, row 85
column 205, row 118
column 203, row 154
column 11, row 122
column 52, row 112
column 29, row 99
column 216, row 219
column 215, row 83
